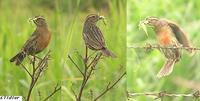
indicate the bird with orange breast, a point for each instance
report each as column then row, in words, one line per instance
column 36, row 43
column 169, row 35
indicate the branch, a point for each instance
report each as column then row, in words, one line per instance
column 160, row 95
column 26, row 70
column 149, row 46
column 74, row 93
column 88, row 71
column 56, row 89
column 75, row 65
column 109, row 87
column 90, row 64
column 36, row 72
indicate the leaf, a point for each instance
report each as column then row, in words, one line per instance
column 143, row 27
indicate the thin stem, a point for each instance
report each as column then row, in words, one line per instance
column 84, row 76
column 75, row 65
column 164, row 93
column 159, row 47
column 86, row 54
column 109, row 87
column 92, row 61
column 87, row 75
column 26, row 70
column 36, row 73
column 56, row 89
column 32, row 81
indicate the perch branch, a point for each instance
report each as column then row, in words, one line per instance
column 90, row 63
column 35, row 74
column 160, row 95
column 87, row 72
column 56, row 89
column 109, row 87
column 75, row 65
column 149, row 46
column 37, row 70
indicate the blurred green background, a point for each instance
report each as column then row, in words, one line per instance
column 142, row 65
column 65, row 19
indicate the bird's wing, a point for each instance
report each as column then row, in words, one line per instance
column 179, row 34
column 30, row 44
column 98, row 35
column 93, row 37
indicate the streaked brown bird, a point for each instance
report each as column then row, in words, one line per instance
column 37, row 42
column 93, row 36
column 169, row 34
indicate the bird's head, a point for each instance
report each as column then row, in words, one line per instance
column 153, row 21
column 39, row 21
column 93, row 18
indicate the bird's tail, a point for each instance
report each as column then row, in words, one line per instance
column 18, row 58
column 167, row 68
column 108, row 53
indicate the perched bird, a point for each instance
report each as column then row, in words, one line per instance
column 37, row 42
column 93, row 36
column 169, row 34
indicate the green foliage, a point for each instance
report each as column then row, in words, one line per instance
column 142, row 66
column 65, row 19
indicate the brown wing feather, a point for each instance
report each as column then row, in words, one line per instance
column 29, row 46
column 93, row 37
column 98, row 35
column 179, row 34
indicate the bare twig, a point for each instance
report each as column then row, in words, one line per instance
column 26, row 70
column 109, row 87
column 90, row 64
column 159, row 47
column 87, row 72
column 56, row 89
column 39, row 94
column 75, row 65
column 35, row 74
column 160, row 95
column 74, row 93
column 91, row 95
column 37, row 70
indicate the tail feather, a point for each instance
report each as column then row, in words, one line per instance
column 108, row 53
column 166, row 69
column 18, row 58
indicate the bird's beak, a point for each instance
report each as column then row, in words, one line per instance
column 32, row 19
column 145, row 22
column 102, row 18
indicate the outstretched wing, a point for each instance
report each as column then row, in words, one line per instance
column 179, row 34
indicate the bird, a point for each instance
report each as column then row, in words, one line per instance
column 36, row 43
column 93, row 36
column 169, row 34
